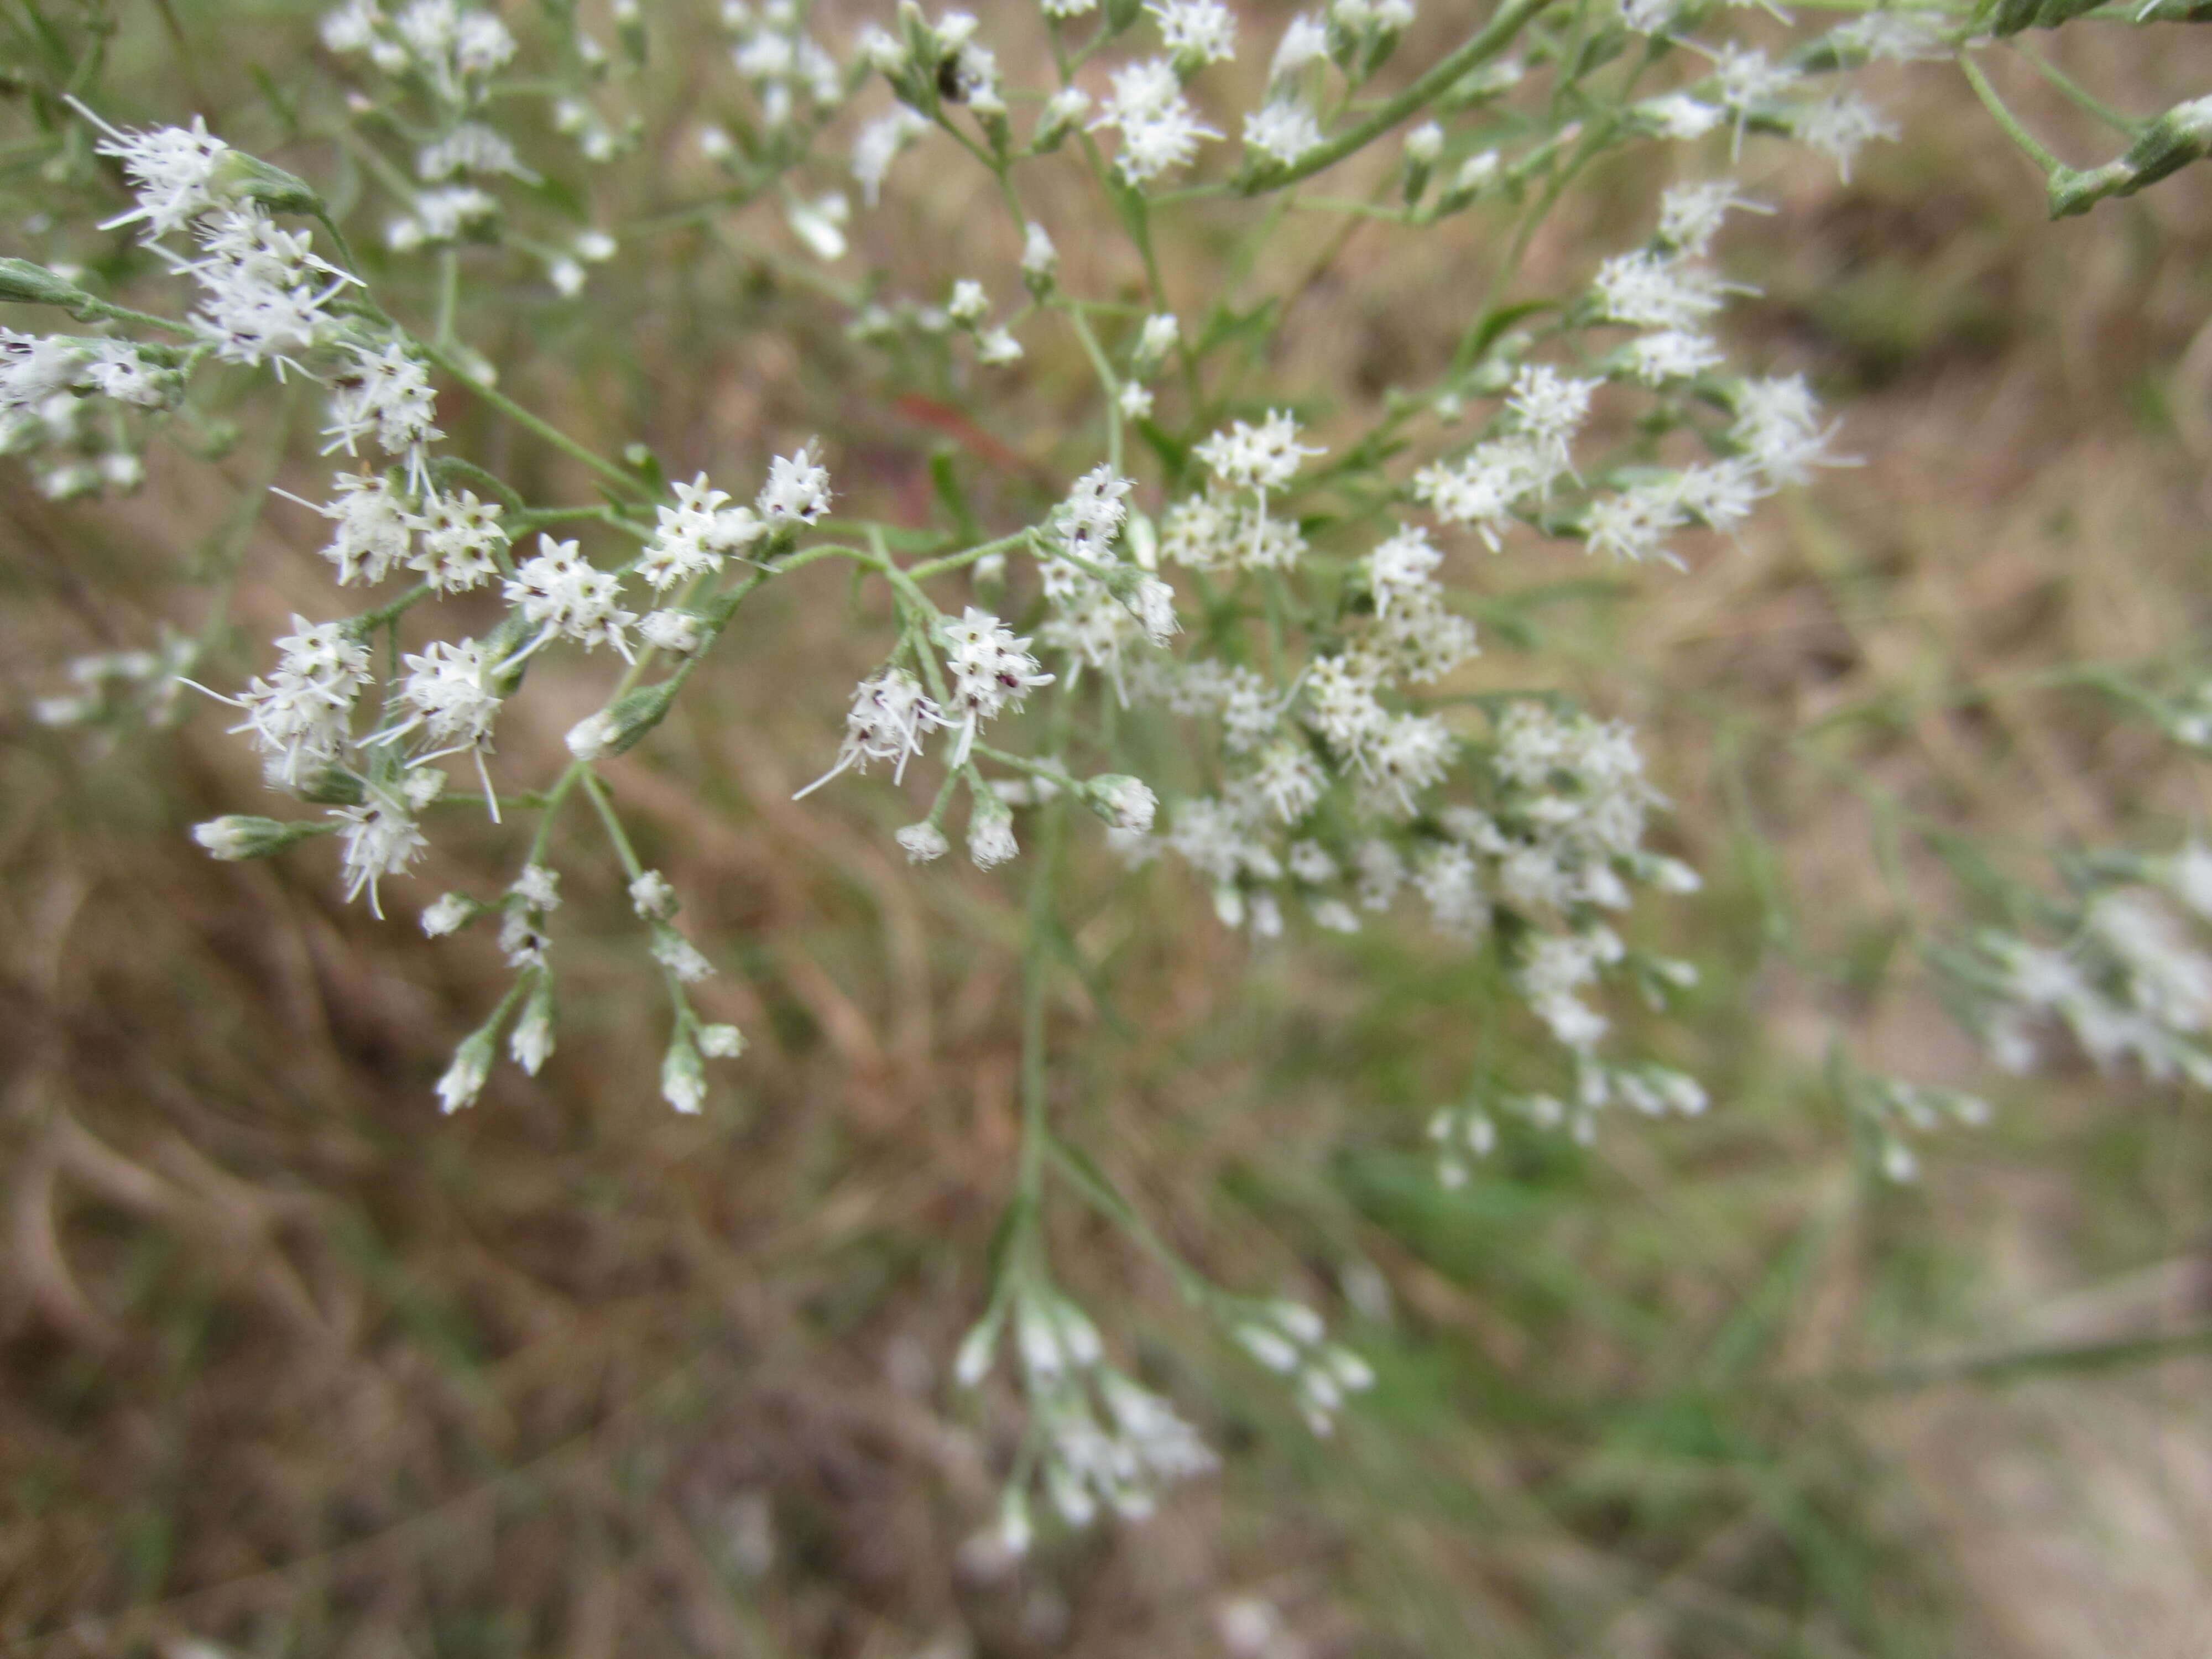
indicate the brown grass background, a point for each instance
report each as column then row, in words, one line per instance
column 291, row 1365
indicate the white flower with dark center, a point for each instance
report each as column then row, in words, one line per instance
column 1402, row 569
column 461, row 538
column 889, row 717
column 172, row 172
column 264, row 289
column 36, row 369
column 374, row 531
column 1283, row 129
column 690, row 538
column 381, row 839
column 1341, row 705
column 448, row 692
column 301, row 715
column 563, row 595
column 386, row 395
column 992, row 669
column 1263, row 458
column 1093, row 513
column 1410, row 754
column 797, row 491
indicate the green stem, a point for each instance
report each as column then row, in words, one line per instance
column 2005, row 118
column 515, row 412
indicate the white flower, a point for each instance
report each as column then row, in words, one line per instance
column 1549, row 408
column 1289, row 780
column 1679, row 116
column 797, row 491
column 879, row 145
column 172, row 172
column 460, row 541
column 1838, row 127
column 1126, row 803
column 1402, row 569
column 1777, row 426
column 889, row 717
column 691, row 538
column 997, row 347
column 678, row 632
column 820, row 224
column 1160, row 132
column 531, row 1043
column 1482, row 489
column 1157, row 339
column 1195, row 32
column 471, row 147
column 1646, row 289
column 1900, row 36
column 374, row 531
column 449, row 915
column 1305, row 40
column 991, row 669
column 1263, row 457
column 1634, row 524
column 264, row 289
column 1410, row 754
column 1134, row 401
column 679, row 956
column 448, row 694
column 922, row 843
column 562, row 594
column 1040, row 258
column 464, row 1079
column 1721, row 495
column 593, row 736
column 380, row 839
column 1690, row 216
column 386, row 395
column 1671, row 355
column 651, row 896
column 302, row 714
column 990, row 833
column 1283, row 129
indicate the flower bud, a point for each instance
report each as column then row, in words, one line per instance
column 241, row 837
column 683, row 1079
column 33, row 284
column 620, row 725
column 1424, row 145
column 1124, row 802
